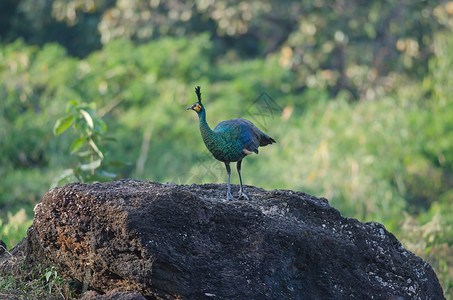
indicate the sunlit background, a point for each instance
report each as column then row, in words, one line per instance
column 357, row 94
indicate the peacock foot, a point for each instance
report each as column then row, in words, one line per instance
column 243, row 194
column 230, row 197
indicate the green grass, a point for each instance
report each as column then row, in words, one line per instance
column 38, row 283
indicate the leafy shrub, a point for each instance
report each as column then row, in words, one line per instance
column 88, row 145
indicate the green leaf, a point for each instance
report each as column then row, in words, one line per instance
column 77, row 144
column 99, row 178
column 62, row 176
column 62, row 124
column 100, row 125
column 109, row 174
column 91, row 166
column 84, row 153
column 96, row 149
column 48, row 274
column 87, row 117
column 110, row 139
column 116, row 164
column 71, row 104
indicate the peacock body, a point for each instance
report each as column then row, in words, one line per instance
column 230, row 141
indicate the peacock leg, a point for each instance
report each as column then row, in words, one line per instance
column 229, row 196
column 242, row 193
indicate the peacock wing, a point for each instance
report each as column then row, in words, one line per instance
column 241, row 130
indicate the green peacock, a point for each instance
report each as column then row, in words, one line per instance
column 230, row 141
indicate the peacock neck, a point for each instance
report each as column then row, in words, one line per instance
column 205, row 130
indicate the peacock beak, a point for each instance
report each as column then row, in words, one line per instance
column 196, row 107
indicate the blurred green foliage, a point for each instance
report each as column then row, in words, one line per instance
column 12, row 231
column 355, row 46
column 363, row 112
column 88, row 145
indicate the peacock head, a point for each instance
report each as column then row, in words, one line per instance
column 197, row 106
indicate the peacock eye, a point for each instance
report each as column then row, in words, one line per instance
column 198, row 107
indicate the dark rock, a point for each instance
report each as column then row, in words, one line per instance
column 10, row 260
column 170, row 241
column 112, row 295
